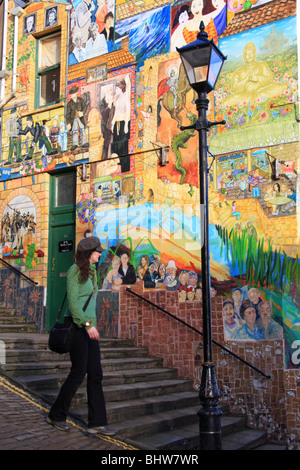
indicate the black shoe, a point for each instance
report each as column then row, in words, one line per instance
column 101, row 430
column 61, row 425
column 86, row 145
column 74, row 147
column 7, row 163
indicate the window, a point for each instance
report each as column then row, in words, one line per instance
column 48, row 74
column 65, row 189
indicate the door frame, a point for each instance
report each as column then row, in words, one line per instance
column 59, row 217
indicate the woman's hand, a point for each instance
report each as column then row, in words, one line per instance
column 93, row 333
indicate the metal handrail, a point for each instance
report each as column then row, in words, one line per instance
column 18, row 272
column 199, row 332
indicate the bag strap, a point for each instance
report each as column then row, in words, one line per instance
column 60, row 310
column 84, row 307
column 87, row 302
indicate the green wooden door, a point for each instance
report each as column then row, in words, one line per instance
column 61, row 239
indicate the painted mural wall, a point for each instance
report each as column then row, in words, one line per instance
column 150, row 226
column 117, row 116
column 91, row 29
column 258, row 86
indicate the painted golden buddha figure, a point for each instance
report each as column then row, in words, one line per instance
column 252, row 80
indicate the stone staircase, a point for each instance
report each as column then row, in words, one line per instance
column 148, row 404
column 10, row 322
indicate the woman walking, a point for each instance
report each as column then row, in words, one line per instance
column 85, row 351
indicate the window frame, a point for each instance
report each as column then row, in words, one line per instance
column 40, row 73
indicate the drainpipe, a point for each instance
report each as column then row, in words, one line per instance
column 4, row 49
column 68, row 8
column 16, row 12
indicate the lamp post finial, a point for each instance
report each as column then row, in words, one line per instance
column 202, row 31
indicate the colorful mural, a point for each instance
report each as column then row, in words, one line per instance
column 175, row 108
column 28, row 300
column 104, row 104
column 187, row 17
column 252, row 193
column 238, row 5
column 92, row 30
column 148, row 33
column 257, row 88
column 18, row 238
column 107, row 312
column 270, row 287
column 32, row 146
column 114, row 118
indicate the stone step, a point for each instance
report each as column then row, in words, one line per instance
column 11, row 323
column 4, row 311
column 124, row 352
column 143, row 406
column 161, row 422
column 176, row 429
column 38, row 341
column 270, row 446
column 11, row 320
column 118, row 378
column 146, row 403
column 20, row 328
column 186, row 437
column 19, row 356
column 245, row 439
column 30, row 364
column 128, row 392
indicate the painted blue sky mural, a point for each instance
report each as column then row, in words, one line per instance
column 149, row 33
column 285, row 31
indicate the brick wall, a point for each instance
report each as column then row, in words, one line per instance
column 270, row 404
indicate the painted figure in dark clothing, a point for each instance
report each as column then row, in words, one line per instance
column 121, row 123
column 107, row 113
column 36, row 131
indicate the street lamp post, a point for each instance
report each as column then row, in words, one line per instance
column 203, row 61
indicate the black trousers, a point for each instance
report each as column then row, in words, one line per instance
column 86, row 359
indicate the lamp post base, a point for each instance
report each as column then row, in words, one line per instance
column 209, row 415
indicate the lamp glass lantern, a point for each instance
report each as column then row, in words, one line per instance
column 202, row 61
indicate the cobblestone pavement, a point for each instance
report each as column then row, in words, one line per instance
column 23, row 426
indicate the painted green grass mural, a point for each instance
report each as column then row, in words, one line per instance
column 262, row 267
column 274, row 274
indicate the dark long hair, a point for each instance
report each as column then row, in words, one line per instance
column 208, row 7
column 83, row 263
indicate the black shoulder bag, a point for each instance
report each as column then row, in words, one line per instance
column 61, row 334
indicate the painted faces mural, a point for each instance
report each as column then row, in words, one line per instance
column 91, row 29
column 186, row 20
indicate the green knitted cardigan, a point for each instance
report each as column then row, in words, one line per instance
column 78, row 293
